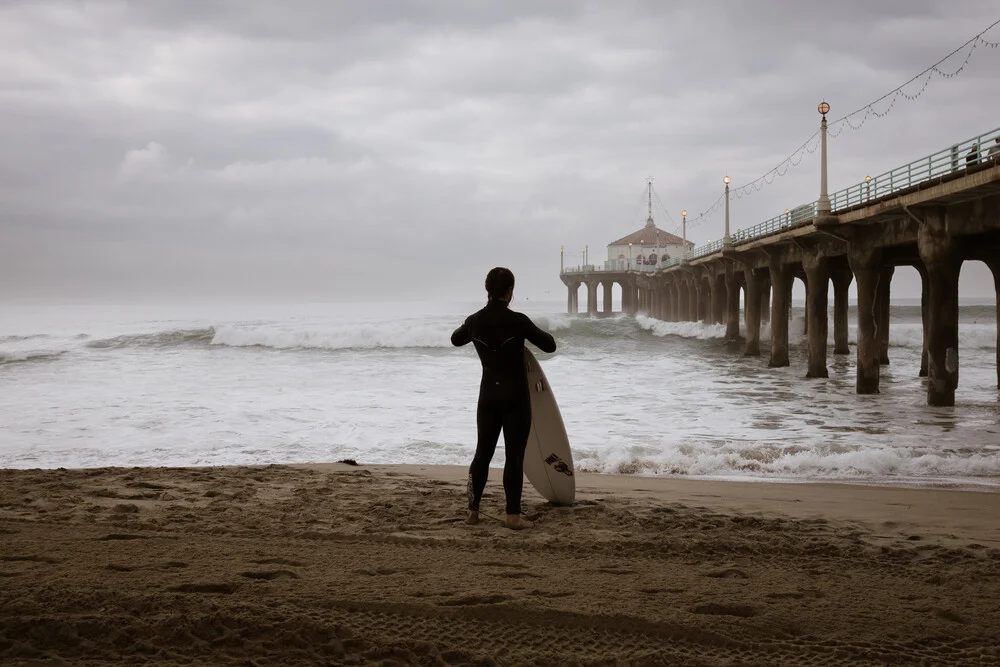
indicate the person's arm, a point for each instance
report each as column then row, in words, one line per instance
column 461, row 335
column 541, row 339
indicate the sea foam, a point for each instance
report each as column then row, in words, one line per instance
column 907, row 334
column 770, row 461
column 334, row 337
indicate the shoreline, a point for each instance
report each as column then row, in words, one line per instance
column 930, row 508
column 970, row 484
column 340, row 564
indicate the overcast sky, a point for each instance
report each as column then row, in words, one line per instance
column 340, row 150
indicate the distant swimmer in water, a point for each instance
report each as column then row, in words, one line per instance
column 504, row 402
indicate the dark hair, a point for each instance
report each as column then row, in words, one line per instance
column 499, row 281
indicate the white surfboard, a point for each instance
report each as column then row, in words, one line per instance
column 548, row 461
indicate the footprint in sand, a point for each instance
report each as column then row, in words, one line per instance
column 797, row 595
column 380, row 572
column 28, row 559
column 727, row 573
column 125, row 508
column 149, row 485
column 225, row 589
column 949, row 615
column 278, row 561
column 496, row 563
column 517, row 575
column 270, row 575
column 544, row 594
column 785, row 596
column 714, row 609
column 657, row 591
column 117, row 568
column 475, row 600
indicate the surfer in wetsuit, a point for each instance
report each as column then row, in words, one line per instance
column 504, row 402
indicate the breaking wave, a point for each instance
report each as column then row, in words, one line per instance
column 332, row 337
column 770, row 461
column 21, row 339
column 158, row 339
column 698, row 330
column 13, row 357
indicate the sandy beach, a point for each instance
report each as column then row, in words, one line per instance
column 339, row 564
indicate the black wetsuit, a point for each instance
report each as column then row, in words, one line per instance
column 504, row 402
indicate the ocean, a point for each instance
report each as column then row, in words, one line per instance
column 197, row 385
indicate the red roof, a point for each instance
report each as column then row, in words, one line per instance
column 650, row 235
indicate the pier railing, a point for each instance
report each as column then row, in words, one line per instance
column 953, row 159
column 965, row 154
column 643, row 268
column 590, row 268
column 799, row 216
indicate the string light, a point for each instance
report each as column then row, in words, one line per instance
column 893, row 95
column 850, row 120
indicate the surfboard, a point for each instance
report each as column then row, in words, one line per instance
column 548, row 461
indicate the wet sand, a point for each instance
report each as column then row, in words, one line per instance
column 337, row 564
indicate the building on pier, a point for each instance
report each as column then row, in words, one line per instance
column 647, row 248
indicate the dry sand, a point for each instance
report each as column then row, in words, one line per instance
column 336, row 564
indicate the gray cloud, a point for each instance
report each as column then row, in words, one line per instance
column 233, row 148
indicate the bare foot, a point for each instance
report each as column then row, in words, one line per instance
column 517, row 522
column 473, row 518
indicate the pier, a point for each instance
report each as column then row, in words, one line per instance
column 932, row 214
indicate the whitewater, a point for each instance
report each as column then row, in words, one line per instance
column 188, row 385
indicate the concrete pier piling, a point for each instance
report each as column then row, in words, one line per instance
column 705, row 302
column 866, row 262
column 842, row 278
column 765, row 299
column 719, row 298
column 571, row 297
column 684, row 307
column 733, row 285
column 940, row 255
column 781, row 280
column 994, row 265
column 751, row 311
column 817, row 268
column 882, row 303
column 693, row 299
column 925, row 290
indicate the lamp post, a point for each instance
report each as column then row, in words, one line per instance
column 684, row 231
column 823, row 205
column 868, row 185
column 586, row 255
column 788, row 217
column 561, row 263
column 629, row 256
column 725, row 239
